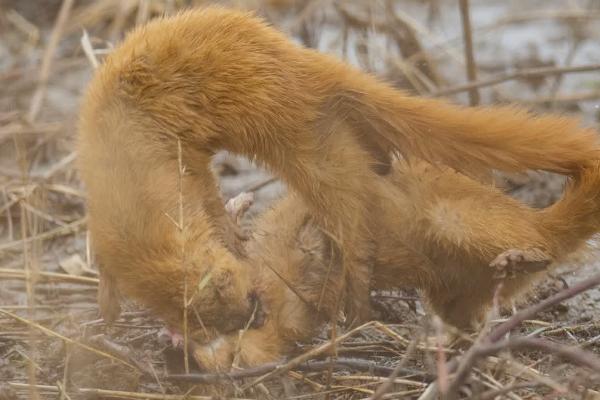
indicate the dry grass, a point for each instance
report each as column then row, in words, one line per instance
column 52, row 344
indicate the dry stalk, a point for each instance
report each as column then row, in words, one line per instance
column 495, row 393
column 11, row 273
column 88, row 49
column 241, row 333
column 55, row 36
column 66, row 374
column 560, row 99
column 469, row 53
column 29, row 225
column 119, row 394
column 9, row 222
column 529, row 312
column 573, row 354
column 51, row 234
column 261, row 185
column 492, row 344
column 181, row 228
column 293, row 363
column 51, row 333
column 340, row 363
column 387, row 385
column 521, row 74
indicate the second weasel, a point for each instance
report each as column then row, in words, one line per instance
column 456, row 235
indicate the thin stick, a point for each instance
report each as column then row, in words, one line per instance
column 571, row 353
column 496, row 393
column 478, row 351
column 186, row 358
column 502, row 329
column 63, row 230
column 574, row 47
column 262, row 184
column 238, row 345
column 310, row 366
column 40, row 93
column 469, row 54
column 66, row 373
column 30, row 276
column 51, row 333
column 9, row 221
column 12, row 273
column 521, row 74
column 28, row 226
column 280, row 369
column 88, row 49
column 489, row 345
column 119, row 394
column 387, row 385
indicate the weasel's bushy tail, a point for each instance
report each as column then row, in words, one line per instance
column 470, row 139
column 576, row 217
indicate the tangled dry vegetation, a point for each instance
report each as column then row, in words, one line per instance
column 52, row 344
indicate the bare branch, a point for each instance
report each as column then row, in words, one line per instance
column 469, row 53
column 521, row 74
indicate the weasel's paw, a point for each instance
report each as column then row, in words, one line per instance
column 216, row 356
column 238, row 205
column 514, row 261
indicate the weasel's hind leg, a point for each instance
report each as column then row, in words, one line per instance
column 513, row 261
column 473, row 234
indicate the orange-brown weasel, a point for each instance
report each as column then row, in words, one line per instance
column 220, row 79
column 456, row 233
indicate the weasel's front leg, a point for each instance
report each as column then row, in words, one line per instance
column 243, row 349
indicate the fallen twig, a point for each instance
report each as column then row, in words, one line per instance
column 491, row 345
column 387, row 385
column 571, row 353
column 119, row 394
column 293, row 363
column 50, row 332
column 499, row 331
column 308, row 366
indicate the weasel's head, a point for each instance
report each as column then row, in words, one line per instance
column 226, row 298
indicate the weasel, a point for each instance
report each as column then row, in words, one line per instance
column 213, row 79
column 457, row 235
